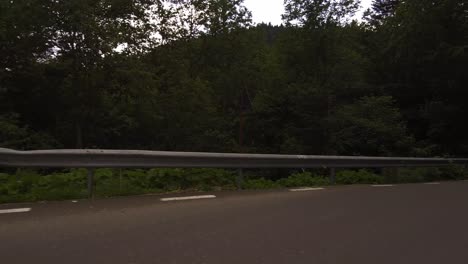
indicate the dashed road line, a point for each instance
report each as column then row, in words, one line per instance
column 12, row 211
column 383, row 185
column 432, row 183
column 306, row 189
column 188, row 198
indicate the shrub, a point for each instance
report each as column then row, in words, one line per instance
column 303, row 179
column 411, row 175
column 4, row 178
column 179, row 179
column 203, row 178
column 165, row 179
column 415, row 175
column 358, row 177
column 260, row 184
column 453, row 173
column 29, row 185
column 60, row 185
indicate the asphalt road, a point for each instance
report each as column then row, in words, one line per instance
column 413, row 223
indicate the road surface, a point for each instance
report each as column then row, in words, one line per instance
column 415, row 223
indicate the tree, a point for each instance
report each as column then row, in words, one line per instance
column 15, row 136
column 321, row 53
column 24, row 36
column 224, row 16
column 85, row 33
column 420, row 57
column 195, row 75
column 370, row 126
column 380, row 11
column 319, row 13
column 384, row 8
column 24, row 40
column 193, row 18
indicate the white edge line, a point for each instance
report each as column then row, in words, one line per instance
column 383, row 185
column 306, row 189
column 188, row 198
column 11, row 211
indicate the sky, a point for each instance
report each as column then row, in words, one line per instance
column 269, row 11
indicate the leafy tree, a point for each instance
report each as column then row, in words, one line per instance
column 15, row 136
column 370, row 126
column 86, row 32
column 193, row 18
column 380, row 11
column 24, row 36
column 420, row 56
column 187, row 18
column 24, row 40
column 319, row 13
column 223, row 16
column 196, row 75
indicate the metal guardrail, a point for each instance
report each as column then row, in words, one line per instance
column 155, row 159
column 92, row 159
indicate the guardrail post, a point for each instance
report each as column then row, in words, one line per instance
column 240, row 179
column 332, row 176
column 90, row 183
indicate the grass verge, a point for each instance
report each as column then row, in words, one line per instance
column 31, row 185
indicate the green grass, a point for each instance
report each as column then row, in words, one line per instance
column 30, row 185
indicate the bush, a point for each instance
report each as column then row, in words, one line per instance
column 4, row 178
column 413, row 175
column 358, row 177
column 304, row 179
column 453, row 173
column 206, row 179
column 260, row 184
column 29, row 185
column 14, row 135
column 60, row 185
column 180, row 179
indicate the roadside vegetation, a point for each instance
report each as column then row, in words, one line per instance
column 92, row 74
column 201, row 76
column 29, row 185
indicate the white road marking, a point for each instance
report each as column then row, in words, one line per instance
column 383, row 185
column 305, row 189
column 188, row 198
column 432, row 183
column 12, row 211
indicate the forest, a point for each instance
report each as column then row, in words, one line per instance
column 199, row 75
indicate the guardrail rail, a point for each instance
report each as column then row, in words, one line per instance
column 95, row 158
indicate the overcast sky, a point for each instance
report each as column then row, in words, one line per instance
column 271, row 10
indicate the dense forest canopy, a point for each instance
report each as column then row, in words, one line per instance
column 198, row 75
